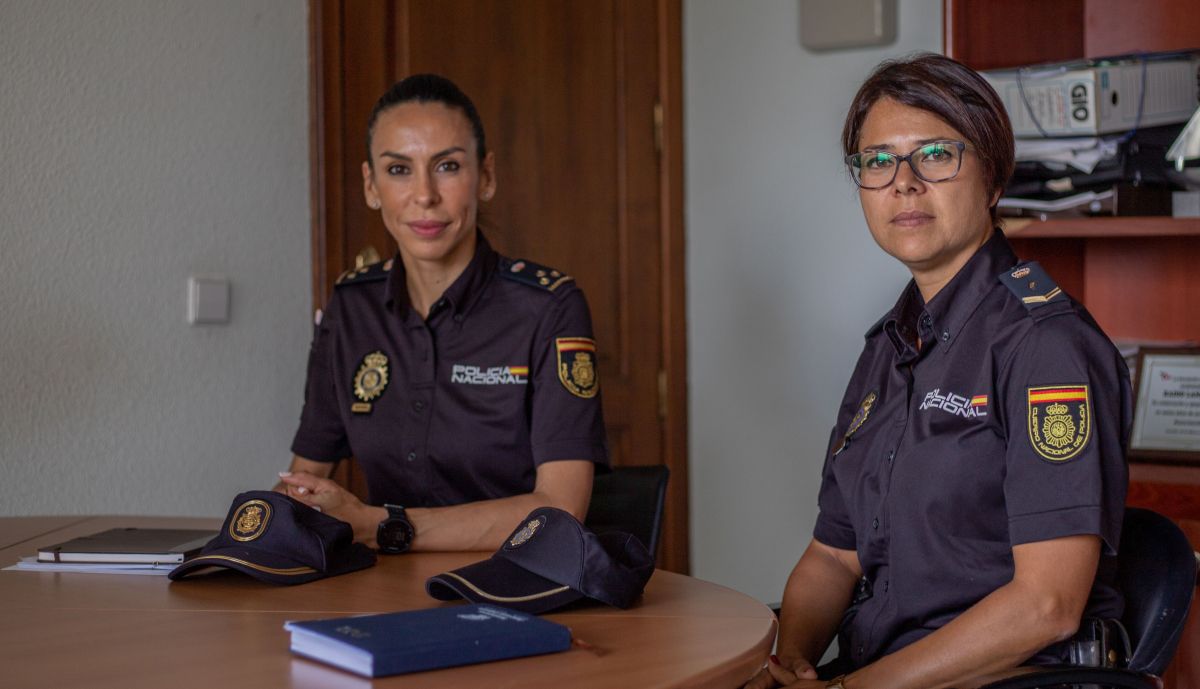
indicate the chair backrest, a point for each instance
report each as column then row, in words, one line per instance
column 1157, row 573
column 630, row 499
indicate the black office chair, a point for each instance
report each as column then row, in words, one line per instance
column 1157, row 574
column 630, row 499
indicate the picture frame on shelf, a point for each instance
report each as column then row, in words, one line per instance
column 1166, row 408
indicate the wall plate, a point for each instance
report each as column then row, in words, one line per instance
column 840, row 24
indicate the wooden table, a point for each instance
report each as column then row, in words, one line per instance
column 102, row 630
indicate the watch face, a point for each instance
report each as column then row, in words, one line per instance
column 395, row 535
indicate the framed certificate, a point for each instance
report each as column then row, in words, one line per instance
column 1166, row 409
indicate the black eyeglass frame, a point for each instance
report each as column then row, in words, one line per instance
column 849, row 160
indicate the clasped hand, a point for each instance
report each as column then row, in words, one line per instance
column 797, row 674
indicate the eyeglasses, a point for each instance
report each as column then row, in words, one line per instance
column 936, row 161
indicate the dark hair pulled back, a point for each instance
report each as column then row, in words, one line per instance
column 428, row 88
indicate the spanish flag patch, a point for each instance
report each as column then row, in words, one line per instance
column 577, row 365
column 1060, row 420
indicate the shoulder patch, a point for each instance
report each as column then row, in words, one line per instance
column 368, row 273
column 533, row 274
column 1031, row 284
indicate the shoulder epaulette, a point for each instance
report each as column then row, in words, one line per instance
column 534, row 275
column 1032, row 285
column 369, row 273
column 878, row 325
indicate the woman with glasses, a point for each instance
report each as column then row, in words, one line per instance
column 973, row 488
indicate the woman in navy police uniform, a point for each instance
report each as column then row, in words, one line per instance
column 463, row 382
column 975, row 480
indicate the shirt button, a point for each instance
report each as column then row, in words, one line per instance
column 412, row 456
column 926, row 321
column 891, row 456
column 418, row 405
column 875, row 523
column 458, row 318
column 945, row 336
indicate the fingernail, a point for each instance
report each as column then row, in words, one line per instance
column 284, row 473
column 775, row 659
column 302, row 490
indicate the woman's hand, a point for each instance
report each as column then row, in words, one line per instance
column 331, row 498
column 784, row 673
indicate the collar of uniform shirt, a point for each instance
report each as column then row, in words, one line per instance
column 462, row 294
column 958, row 300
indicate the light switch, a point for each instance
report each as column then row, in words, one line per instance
column 208, row 299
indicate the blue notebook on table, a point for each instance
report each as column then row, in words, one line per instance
column 400, row 642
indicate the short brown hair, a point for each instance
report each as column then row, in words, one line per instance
column 949, row 90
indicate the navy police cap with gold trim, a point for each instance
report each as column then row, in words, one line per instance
column 279, row 540
column 549, row 561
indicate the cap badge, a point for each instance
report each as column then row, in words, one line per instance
column 576, row 365
column 250, row 520
column 526, row 532
column 370, row 381
column 1059, row 421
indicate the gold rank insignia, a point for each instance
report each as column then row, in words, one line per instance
column 370, row 381
column 577, row 365
column 250, row 520
column 1060, row 421
column 860, row 417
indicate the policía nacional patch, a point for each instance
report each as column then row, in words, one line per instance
column 370, row 381
column 1060, row 421
column 577, row 365
column 250, row 520
column 860, row 417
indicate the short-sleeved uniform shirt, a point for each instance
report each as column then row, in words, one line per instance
column 1006, row 426
column 465, row 404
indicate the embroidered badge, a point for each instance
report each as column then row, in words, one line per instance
column 860, row 417
column 577, row 366
column 250, row 520
column 958, row 405
column 370, row 381
column 526, row 532
column 1060, row 422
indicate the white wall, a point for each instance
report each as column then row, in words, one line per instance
column 143, row 140
column 783, row 278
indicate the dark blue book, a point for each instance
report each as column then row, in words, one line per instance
column 399, row 642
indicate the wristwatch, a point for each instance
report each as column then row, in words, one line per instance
column 836, row 683
column 395, row 534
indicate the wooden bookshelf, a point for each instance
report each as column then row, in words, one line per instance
column 1138, row 276
column 1101, row 227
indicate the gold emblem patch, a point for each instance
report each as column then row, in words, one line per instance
column 526, row 533
column 1060, row 421
column 577, row 366
column 370, row 381
column 250, row 520
column 860, row 417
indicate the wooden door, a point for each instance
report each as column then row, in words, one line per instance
column 580, row 100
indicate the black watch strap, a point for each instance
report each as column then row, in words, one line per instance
column 395, row 534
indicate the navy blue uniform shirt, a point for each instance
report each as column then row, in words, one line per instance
column 1007, row 426
column 465, row 404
